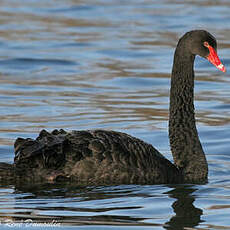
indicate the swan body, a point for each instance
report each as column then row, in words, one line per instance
column 102, row 157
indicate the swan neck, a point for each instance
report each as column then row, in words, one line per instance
column 185, row 145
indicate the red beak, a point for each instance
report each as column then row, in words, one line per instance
column 214, row 59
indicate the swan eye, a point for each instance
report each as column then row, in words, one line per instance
column 206, row 44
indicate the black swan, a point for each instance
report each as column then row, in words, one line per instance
column 100, row 157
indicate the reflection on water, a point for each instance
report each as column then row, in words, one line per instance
column 186, row 214
column 169, row 207
column 118, row 205
column 106, row 64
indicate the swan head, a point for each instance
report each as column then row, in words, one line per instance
column 202, row 43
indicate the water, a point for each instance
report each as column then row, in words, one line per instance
column 106, row 64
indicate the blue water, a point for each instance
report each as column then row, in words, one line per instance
column 106, row 64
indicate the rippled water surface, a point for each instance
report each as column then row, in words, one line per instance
column 106, row 64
